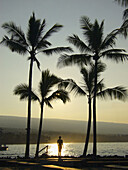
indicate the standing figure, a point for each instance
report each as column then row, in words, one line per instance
column 60, row 143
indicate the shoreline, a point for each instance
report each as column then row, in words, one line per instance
column 65, row 143
column 65, row 163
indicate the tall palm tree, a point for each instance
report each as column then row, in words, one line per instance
column 87, row 89
column 33, row 43
column 96, row 46
column 46, row 85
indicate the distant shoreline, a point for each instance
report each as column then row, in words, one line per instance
column 64, row 142
column 12, row 131
column 18, row 136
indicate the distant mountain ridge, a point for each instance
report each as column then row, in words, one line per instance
column 60, row 125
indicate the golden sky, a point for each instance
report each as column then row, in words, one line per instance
column 14, row 67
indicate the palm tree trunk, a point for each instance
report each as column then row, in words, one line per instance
column 40, row 129
column 94, row 113
column 29, row 112
column 88, row 129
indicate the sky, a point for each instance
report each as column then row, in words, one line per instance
column 14, row 67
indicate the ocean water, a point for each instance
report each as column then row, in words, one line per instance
column 69, row 149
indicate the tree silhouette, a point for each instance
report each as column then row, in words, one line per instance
column 33, row 43
column 96, row 46
column 86, row 88
column 47, row 95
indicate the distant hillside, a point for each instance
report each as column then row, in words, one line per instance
column 59, row 125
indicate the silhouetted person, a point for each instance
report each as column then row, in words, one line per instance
column 60, row 144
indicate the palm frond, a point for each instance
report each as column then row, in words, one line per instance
column 101, row 67
column 95, row 37
column 85, row 23
column 75, row 40
column 47, row 102
column 15, row 32
column 88, row 75
column 57, row 50
column 123, row 30
column 50, row 78
column 43, row 44
column 64, row 84
column 59, row 94
column 54, row 29
column 37, row 62
column 14, row 45
column 113, row 50
column 23, row 91
column 71, row 86
column 100, row 86
column 109, row 40
column 92, row 32
column 118, row 92
column 116, row 56
column 41, row 29
column 33, row 35
column 69, row 60
column 47, row 82
column 125, row 14
column 88, row 78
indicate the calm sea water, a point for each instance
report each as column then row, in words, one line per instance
column 69, row 149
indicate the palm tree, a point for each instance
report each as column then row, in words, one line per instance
column 46, row 85
column 87, row 89
column 33, row 43
column 95, row 47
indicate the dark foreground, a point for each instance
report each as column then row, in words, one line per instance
column 66, row 163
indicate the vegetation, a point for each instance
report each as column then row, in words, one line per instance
column 33, row 43
column 97, row 46
column 87, row 89
column 46, row 85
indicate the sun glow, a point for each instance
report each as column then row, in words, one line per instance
column 53, row 149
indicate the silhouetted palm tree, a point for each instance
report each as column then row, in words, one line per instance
column 96, row 46
column 46, row 85
column 33, row 43
column 87, row 89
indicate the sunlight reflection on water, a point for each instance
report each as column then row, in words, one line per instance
column 69, row 149
column 53, row 149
